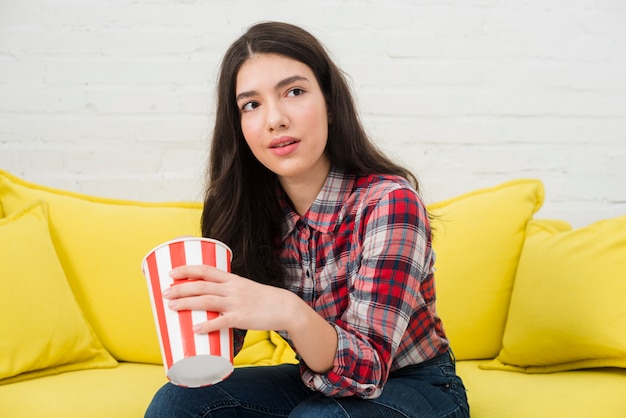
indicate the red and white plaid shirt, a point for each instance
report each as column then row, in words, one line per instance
column 362, row 258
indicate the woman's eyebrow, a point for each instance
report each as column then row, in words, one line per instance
column 282, row 83
column 289, row 80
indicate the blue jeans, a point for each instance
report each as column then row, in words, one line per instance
column 431, row 389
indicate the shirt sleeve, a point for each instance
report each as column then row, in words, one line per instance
column 392, row 247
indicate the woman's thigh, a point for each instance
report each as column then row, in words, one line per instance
column 263, row 391
column 430, row 390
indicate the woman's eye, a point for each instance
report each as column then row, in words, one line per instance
column 295, row 92
column 249, row 106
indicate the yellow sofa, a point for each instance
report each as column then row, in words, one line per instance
column 534, row 309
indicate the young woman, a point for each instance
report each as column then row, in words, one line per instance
column 332, row 248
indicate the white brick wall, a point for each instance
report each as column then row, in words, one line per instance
column 115, row 97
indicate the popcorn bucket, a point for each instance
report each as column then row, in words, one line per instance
column 190, row 359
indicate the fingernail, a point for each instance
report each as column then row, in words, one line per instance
column 166, row 292
column 172, row 304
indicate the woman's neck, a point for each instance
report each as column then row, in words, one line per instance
column 303, row 190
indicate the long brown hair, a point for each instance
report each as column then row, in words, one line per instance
column 240, row 206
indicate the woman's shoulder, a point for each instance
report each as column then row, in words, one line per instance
column 383, row 183
column 374, row 189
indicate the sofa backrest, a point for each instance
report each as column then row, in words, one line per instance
column 101, row 242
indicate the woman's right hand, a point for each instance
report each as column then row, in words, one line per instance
column 242, row 303
column 246, row 304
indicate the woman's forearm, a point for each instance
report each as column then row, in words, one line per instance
column 314, row 338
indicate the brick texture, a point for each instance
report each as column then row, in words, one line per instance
column 116, row 97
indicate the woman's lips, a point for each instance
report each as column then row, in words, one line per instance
column 284, row 145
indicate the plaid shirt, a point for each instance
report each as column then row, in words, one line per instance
column 362, row 258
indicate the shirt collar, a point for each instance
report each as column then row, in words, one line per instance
column 325, row 213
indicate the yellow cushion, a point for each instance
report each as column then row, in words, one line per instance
column 100, row 243
column 42, row 328
column 264, row 348
column 128, row 388
column 478, row 238
column 587, row 393
column 568, row 307
column 122, row 392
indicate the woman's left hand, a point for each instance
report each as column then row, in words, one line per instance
column 242, row 303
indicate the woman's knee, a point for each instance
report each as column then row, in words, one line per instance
column 162, row 401
column 318, row 406
column 176, row 401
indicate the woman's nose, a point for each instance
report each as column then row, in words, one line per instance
column 276, row 117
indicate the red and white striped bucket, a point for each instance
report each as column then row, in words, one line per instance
column 190, row 359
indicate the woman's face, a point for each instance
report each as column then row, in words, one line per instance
column 284, row 118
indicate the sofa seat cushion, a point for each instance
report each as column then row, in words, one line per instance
column 124, row 391
column 582, row 393
column 127, row 390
